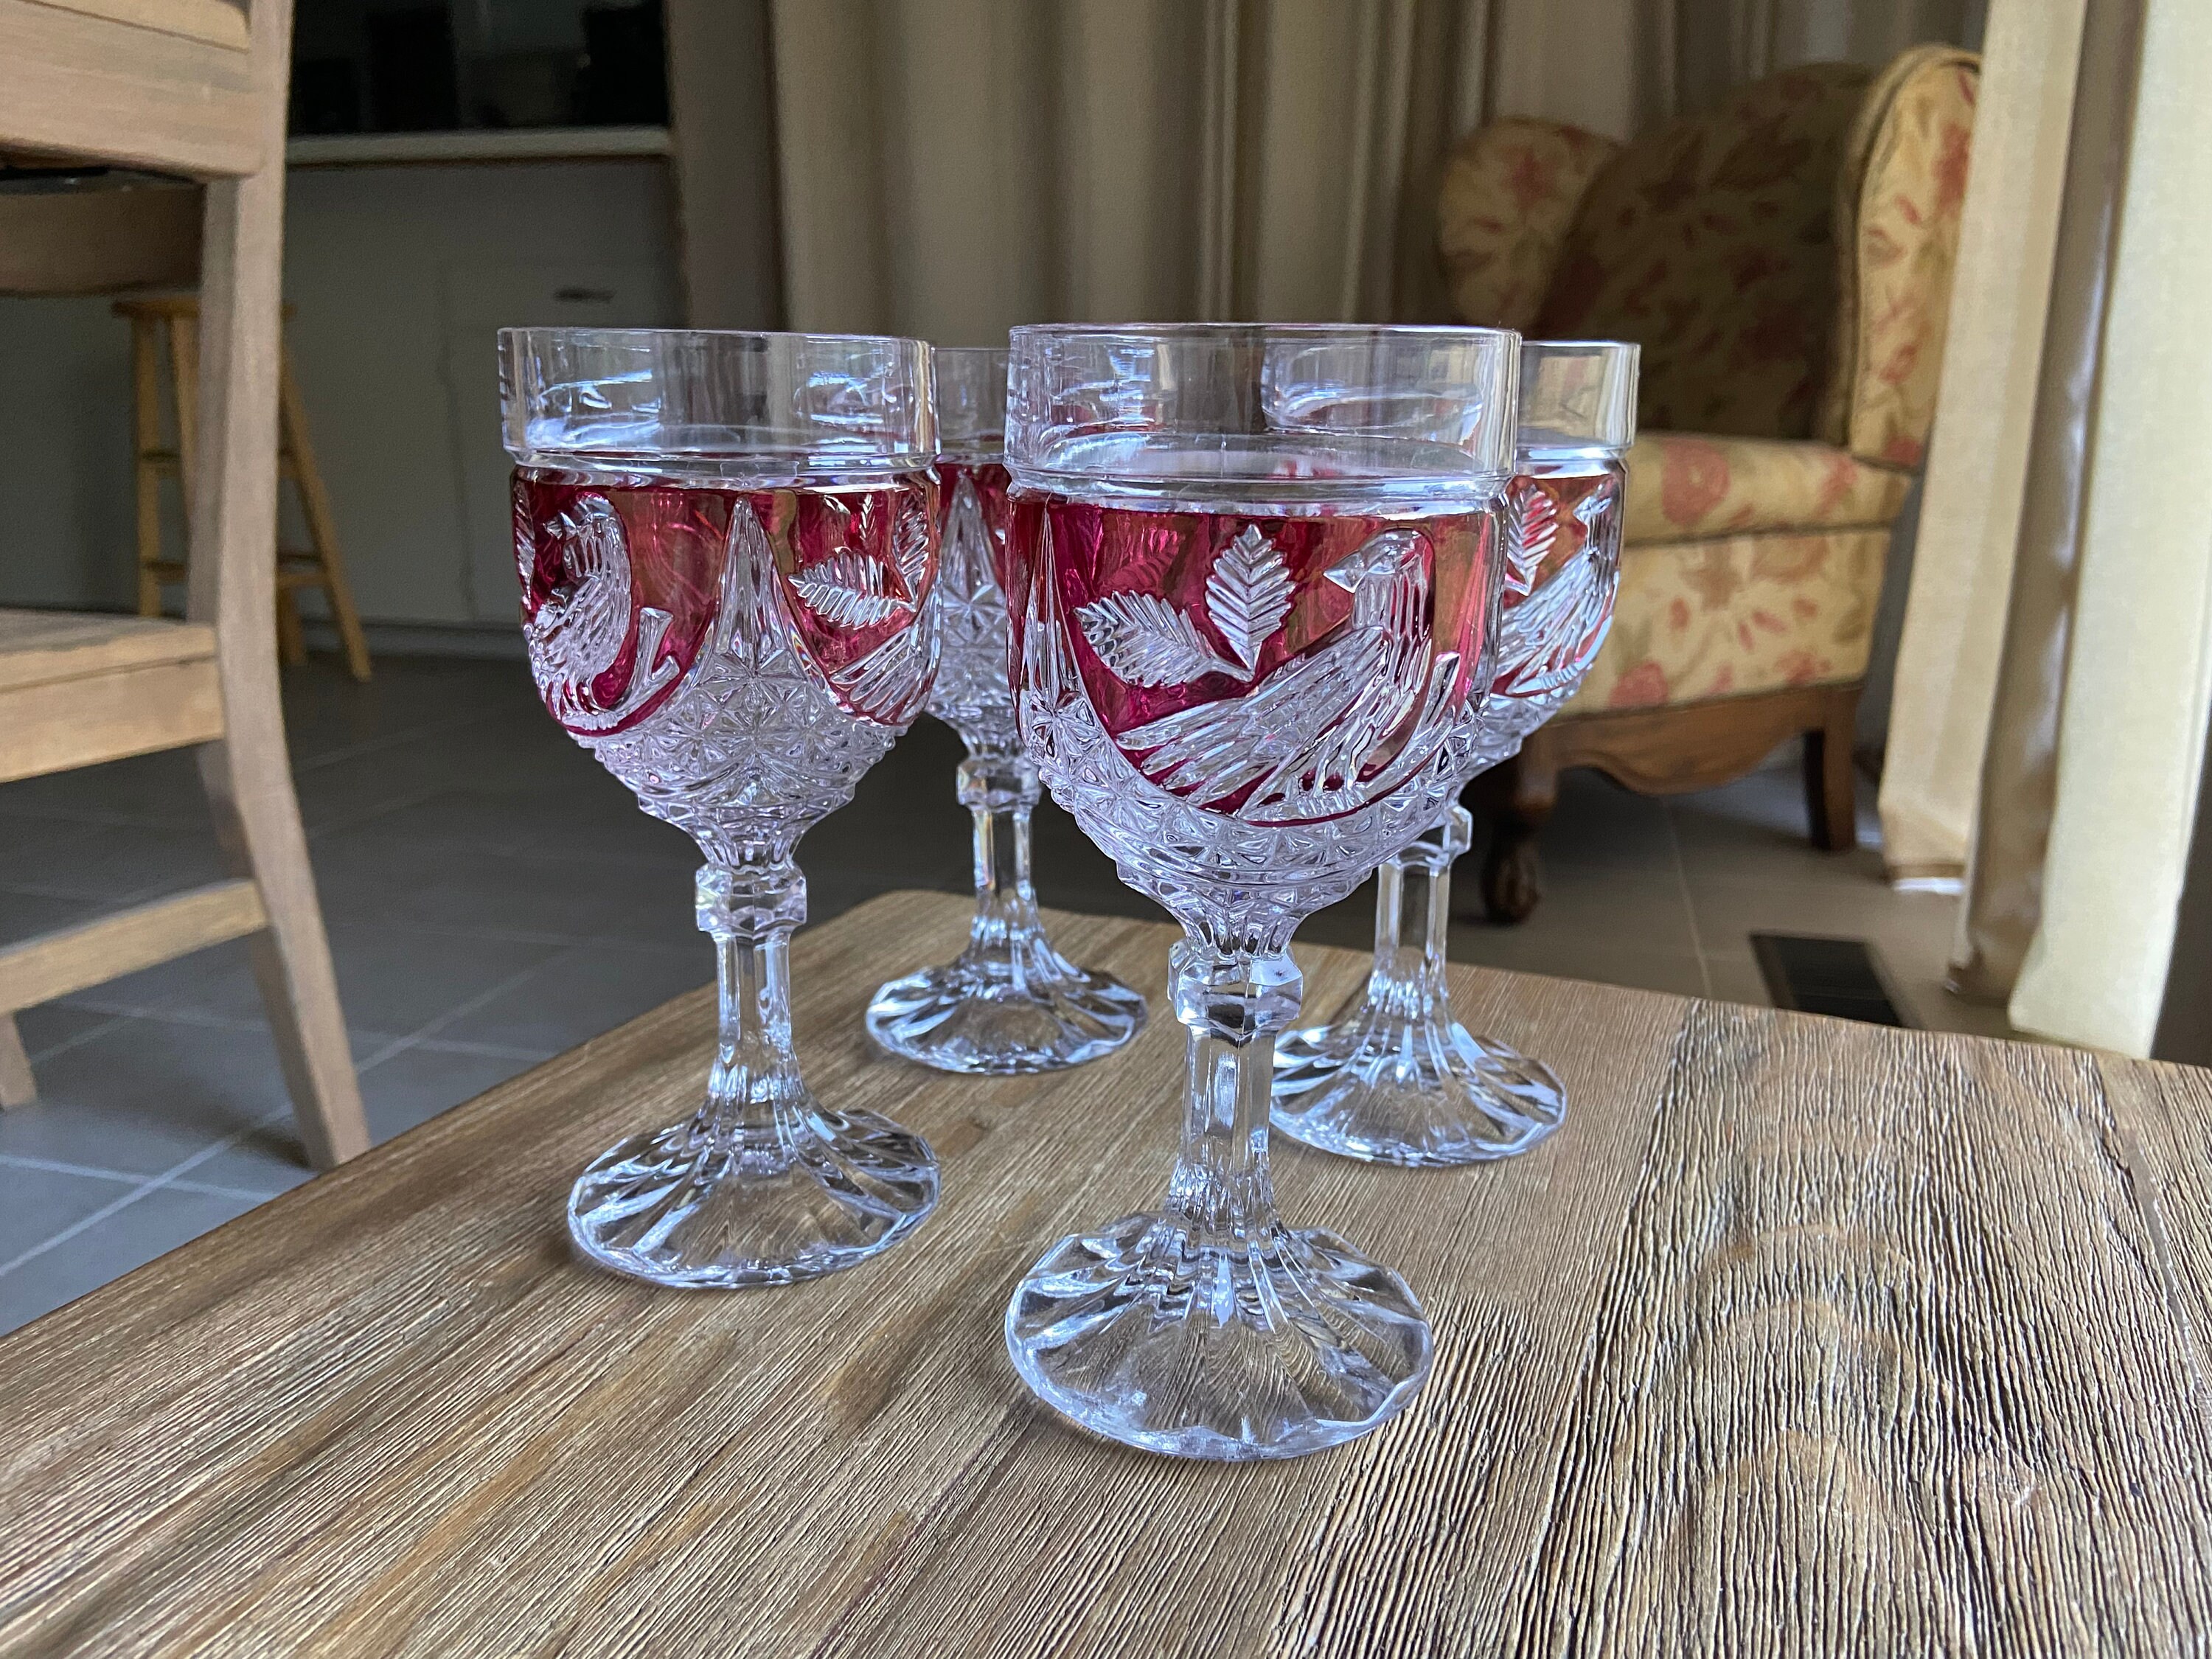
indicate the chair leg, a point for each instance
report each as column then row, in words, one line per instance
column 17, row 1086
column 1830, row 806
column 232, row 585
column 146, row 439
column 291, row 637
column 322, row 524
column 1529, row 788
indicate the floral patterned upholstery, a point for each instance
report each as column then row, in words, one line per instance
column 1785, row 262
column 1910, row 191
column 1727, row 615
column 1711, row 243
column 1509, row 195
column 1684, row 486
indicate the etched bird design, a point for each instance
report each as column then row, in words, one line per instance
column 1551, row 629
column 576, row 634
column 1295, row 746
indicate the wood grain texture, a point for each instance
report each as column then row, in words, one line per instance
column 218, row 22
column 62, row 725
column 39, row 647
column 93, row 952
column 83, row 86
column 1800, row 1337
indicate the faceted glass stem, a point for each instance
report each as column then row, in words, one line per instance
column 1394, row 1079
column 754, row 1094
column 1412, row 920
column 1233, row 1006
column 1209, row 1329
column 762, row 1184
column 1001, row 791
column 1010, row 1003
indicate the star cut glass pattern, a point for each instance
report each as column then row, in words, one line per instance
column 732, row 623
column 1252, row 573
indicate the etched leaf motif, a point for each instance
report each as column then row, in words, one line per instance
column 1532, row 525
column 910, row 545
column 1248, row 595
column 1146, row 640
column 846, row 590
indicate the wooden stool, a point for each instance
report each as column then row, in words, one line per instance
column 168, row 327
column 196, row 90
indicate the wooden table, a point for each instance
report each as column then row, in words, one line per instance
column 1801, row 1336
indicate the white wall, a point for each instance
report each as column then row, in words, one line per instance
column 399, row 276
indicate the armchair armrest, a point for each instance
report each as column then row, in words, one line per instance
column 1510, row 192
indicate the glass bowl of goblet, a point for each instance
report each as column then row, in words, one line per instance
column 726, row 541
column 1394, row 1079
column 1008, row 1003
column 1254, row 575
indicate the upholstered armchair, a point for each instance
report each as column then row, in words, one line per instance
column 1785, row 262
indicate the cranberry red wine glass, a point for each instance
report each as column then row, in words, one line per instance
column 1394, row 1079
column 1008, row 1003
column 1253, row 569
column 726, row 541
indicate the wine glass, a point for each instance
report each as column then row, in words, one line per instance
column 1394, row 1079
column 1255, row 572
column 726, row 541
column 1010, row 1003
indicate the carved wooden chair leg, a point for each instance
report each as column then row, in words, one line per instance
column 1830, row 806
column 1529, row 788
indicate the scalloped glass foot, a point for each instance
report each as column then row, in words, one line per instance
column 686, row 1208
column 965, row 1016
column 1388, row 1090
column 1144, row 1334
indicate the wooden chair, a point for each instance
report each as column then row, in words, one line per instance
column 1784, row 259
column 165, row 329
column 192, row 87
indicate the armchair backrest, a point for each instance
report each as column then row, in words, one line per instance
column 1897, row 207
column 1711, row 243
column 1785, row 260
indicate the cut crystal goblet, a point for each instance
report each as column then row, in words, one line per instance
column 726, row 541
column 1394, row 1079
column 1008, row 1003
column 1254, row 573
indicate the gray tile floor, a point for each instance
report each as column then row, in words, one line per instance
column 494, row 897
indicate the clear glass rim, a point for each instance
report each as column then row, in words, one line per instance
column 971, row 400
column 1212, row 409
column 1591, row 412
column 739, row 402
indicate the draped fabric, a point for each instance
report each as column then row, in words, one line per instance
column 2050, row 714
column 2137, row 677
column 1953, row 636
column 951, row 167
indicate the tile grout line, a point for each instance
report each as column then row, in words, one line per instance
column 1689, row 904
column 94, row 1172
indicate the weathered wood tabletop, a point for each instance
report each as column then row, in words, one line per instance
column 1801, row 1337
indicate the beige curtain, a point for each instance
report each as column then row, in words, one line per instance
column 2138, row 668
column 951, row 167
column 2053, row 684
column 1954, row 617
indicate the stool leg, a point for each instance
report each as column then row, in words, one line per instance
column 322, row 525
column 291, row 638
column 234, row 575
column 145, row 440
column 17, row 1086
